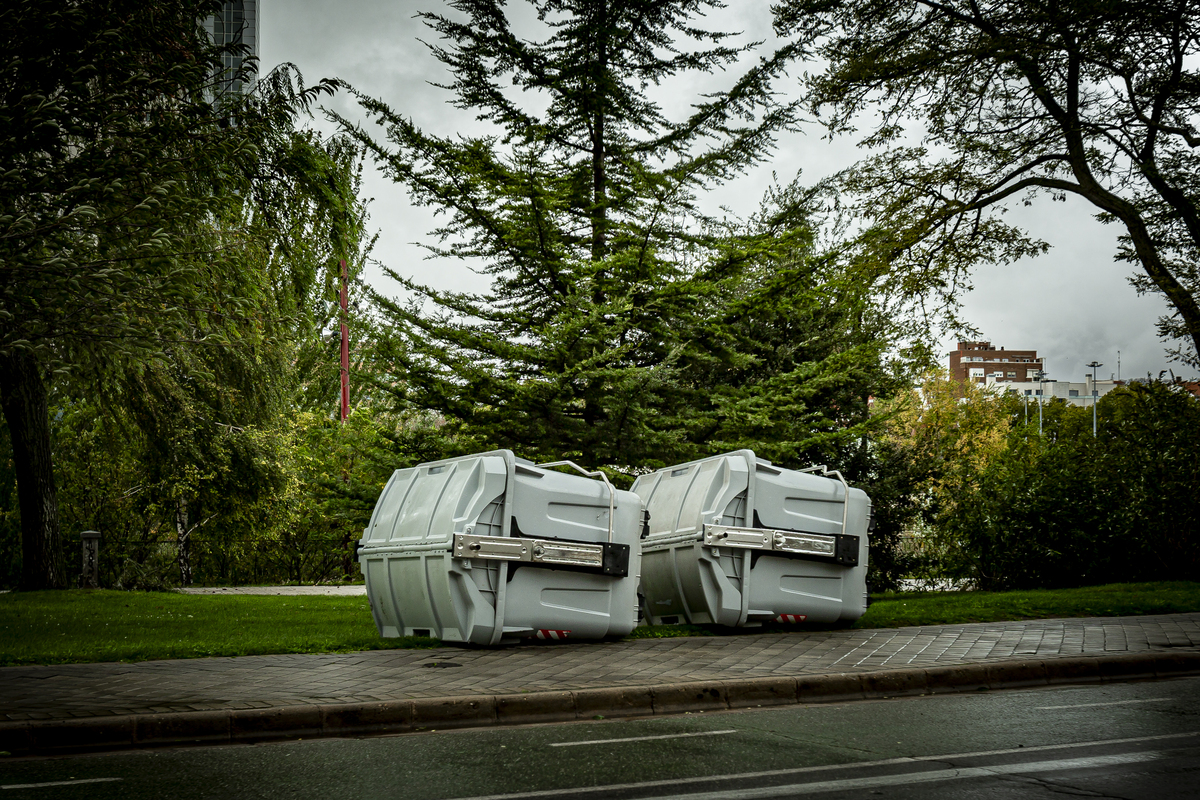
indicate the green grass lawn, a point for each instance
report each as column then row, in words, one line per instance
column 950, row 608
column 897, row 610
column 81, row 626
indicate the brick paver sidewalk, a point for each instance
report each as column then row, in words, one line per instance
column 89, row 690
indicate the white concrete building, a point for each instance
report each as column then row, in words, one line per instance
column 1077, row 394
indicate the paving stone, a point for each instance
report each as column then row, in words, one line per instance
column 298, row 680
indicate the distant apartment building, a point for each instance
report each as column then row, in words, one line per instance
column 236, row 23
column 1076, row 394
column 980, row 362
column 1020, row 372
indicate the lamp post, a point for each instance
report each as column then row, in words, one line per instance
column 345, row 353
column 1041, row 376
column 1095, row 365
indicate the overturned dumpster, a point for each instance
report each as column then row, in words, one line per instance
column 735, row 540
column 491, row 548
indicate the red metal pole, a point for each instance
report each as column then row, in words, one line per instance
column 345, row 350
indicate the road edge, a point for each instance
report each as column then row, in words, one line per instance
column 341, row 720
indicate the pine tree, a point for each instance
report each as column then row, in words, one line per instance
column 582, row 207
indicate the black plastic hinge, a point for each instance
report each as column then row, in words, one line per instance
column 616, row 559
column 847, row 550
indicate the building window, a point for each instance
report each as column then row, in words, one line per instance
column 1011, row 374
column 1073, row 392
column 976, row 372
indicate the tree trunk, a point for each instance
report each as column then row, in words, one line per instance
column 23, row 394
column 599, row 176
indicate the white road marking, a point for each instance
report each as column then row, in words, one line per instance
column 585, row 790
column 58, row 783
column 1112, row 703
column 961, row 773
column 641, row 738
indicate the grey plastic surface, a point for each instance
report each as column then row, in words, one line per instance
column 417, row 587
column 684, row 580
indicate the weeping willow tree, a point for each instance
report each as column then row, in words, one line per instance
column 114, row 154
column 144, row 219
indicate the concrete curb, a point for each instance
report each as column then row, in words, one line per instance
column 249, row 725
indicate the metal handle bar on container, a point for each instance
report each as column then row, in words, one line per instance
column 612, row 492
column 825, row 473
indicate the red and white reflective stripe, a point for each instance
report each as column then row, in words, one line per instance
column 545, row 634
column 791, row 618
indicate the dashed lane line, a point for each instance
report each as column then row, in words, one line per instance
column 58, row 783
column 641, row 738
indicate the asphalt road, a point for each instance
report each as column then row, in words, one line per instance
column 1136, row 740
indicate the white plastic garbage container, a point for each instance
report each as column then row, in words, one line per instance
column 490, row 548
column 735, row 540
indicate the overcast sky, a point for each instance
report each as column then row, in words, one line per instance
column 1072, row 305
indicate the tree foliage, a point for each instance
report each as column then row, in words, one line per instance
column 624, row 327
column 1008, row 99
column 130, row 213
column 935, row 440
column 212, row 425
column 113, row 157
column 1002, row 507
column 106, row 135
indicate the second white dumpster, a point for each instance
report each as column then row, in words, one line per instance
column 735, row 540
column 490, row 547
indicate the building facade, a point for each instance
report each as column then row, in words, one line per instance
column 1076, row 394
column 237, row 23
column 981, row 362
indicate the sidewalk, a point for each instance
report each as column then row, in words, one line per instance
column 253, row 698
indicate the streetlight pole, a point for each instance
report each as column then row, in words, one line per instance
column 1095, row 365
column 345, row 350
column 1041, row 376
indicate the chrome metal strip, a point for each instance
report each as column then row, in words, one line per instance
column 533, row 551
column 811, row 544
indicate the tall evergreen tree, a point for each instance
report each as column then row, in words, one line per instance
column 581, row 206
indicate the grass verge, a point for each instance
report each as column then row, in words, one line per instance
column 903, row 609
column 954, row 608
column 104, row 625
column 84, row 626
